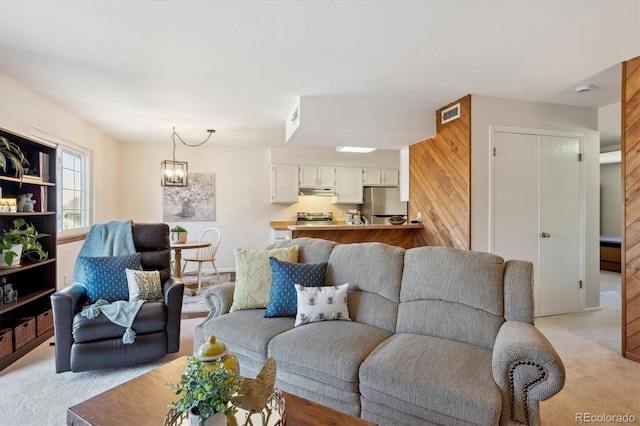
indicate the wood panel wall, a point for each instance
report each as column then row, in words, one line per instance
column 440, row 182
column 631, row 209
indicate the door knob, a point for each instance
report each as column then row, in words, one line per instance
column 545, row 235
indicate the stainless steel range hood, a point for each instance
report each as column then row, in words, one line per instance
column 323, row 192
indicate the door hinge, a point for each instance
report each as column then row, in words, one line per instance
column 580, row 283
column 494, row 151
column 579, row 157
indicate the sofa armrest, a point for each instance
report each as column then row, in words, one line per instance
column 219, row 299
column 65, row 304
column 173, row 294
column 527, row 369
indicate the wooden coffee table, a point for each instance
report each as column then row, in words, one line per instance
column 143, row 401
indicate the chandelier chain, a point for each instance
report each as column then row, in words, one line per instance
column 174, row 135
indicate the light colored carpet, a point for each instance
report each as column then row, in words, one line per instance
column 32, row 394
column 599, row 381
column 193, row 301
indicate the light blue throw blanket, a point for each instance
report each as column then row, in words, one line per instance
column 113, row 238
column 120, row 312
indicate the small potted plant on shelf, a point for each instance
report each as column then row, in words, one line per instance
column 10, row 153
column 205, row 393
column 178, row 234
column 19, row 242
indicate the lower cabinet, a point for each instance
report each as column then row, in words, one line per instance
column 278, row 235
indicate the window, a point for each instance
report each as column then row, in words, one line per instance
column 73, row 189
column 74, row 169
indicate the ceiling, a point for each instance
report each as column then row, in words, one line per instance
column 136, row 69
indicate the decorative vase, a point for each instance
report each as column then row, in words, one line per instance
column 188, row 209
column 179, row 237
column 17, row 249
column 218, row 419
column 213, row 351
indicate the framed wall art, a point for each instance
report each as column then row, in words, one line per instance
column 195, row 202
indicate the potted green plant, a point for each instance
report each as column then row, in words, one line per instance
column 19, row 242
column 205, row 393
column 178, row 234
column 10, row 153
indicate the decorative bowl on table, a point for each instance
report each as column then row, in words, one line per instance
column 397, row 220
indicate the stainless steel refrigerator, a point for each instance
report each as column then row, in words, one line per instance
column 382, row 203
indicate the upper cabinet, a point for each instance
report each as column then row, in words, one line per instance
column 317, row 177
column 380, row 177
column 284, row 184
column 348, row 185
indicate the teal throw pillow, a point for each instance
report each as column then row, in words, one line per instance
column 283, row 299
column 106, row 277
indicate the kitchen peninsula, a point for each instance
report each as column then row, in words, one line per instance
column 397, row 235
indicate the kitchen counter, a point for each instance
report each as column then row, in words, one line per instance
column 397, row 235
column 343, row 227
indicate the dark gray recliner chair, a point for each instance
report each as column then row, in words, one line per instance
column 83, row 344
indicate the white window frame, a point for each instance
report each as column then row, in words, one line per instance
column 64, row 145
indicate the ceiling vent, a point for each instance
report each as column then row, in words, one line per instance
column 451, row 113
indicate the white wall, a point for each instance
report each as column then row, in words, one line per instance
column 22, row 110
column 488, row 111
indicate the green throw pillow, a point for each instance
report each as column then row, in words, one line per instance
column 144, row 285
column 253, row 276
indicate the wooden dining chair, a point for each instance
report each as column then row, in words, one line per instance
column 205, row 254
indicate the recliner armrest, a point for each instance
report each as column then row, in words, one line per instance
column 527, row 369
column 173, row 294
column 219, row 299
column 65, row 304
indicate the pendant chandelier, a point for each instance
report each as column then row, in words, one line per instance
column 176, row 173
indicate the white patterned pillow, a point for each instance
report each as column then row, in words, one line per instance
column 322, row 304
column 144, row 285
column 253, row 276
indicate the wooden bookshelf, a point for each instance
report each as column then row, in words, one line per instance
column 34, row 281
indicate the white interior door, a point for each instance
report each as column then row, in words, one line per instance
column 560, row 223
column 536, row 188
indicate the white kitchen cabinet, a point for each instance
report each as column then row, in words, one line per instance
column 284, row 184
column 317, row 177
column 348, row 185
column 380, row 177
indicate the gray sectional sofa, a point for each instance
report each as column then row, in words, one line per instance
column 438, row 336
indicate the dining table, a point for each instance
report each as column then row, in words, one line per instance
column 178, row 247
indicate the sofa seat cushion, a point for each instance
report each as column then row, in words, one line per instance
column 151, row 318
column 434, row 379
column 329, row 352
column 247, row 334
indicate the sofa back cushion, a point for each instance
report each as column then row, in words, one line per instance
column 453, row 294
column 310, row 250
column 374, row 273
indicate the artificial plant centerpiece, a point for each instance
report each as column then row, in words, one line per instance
column 178, row 234
column 205, row 391
column 10, row 153
column 21, row 241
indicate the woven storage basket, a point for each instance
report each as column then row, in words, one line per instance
column 6, row 342
column 24, row 331
column 44, row 322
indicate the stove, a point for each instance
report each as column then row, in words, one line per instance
column 314, row 218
